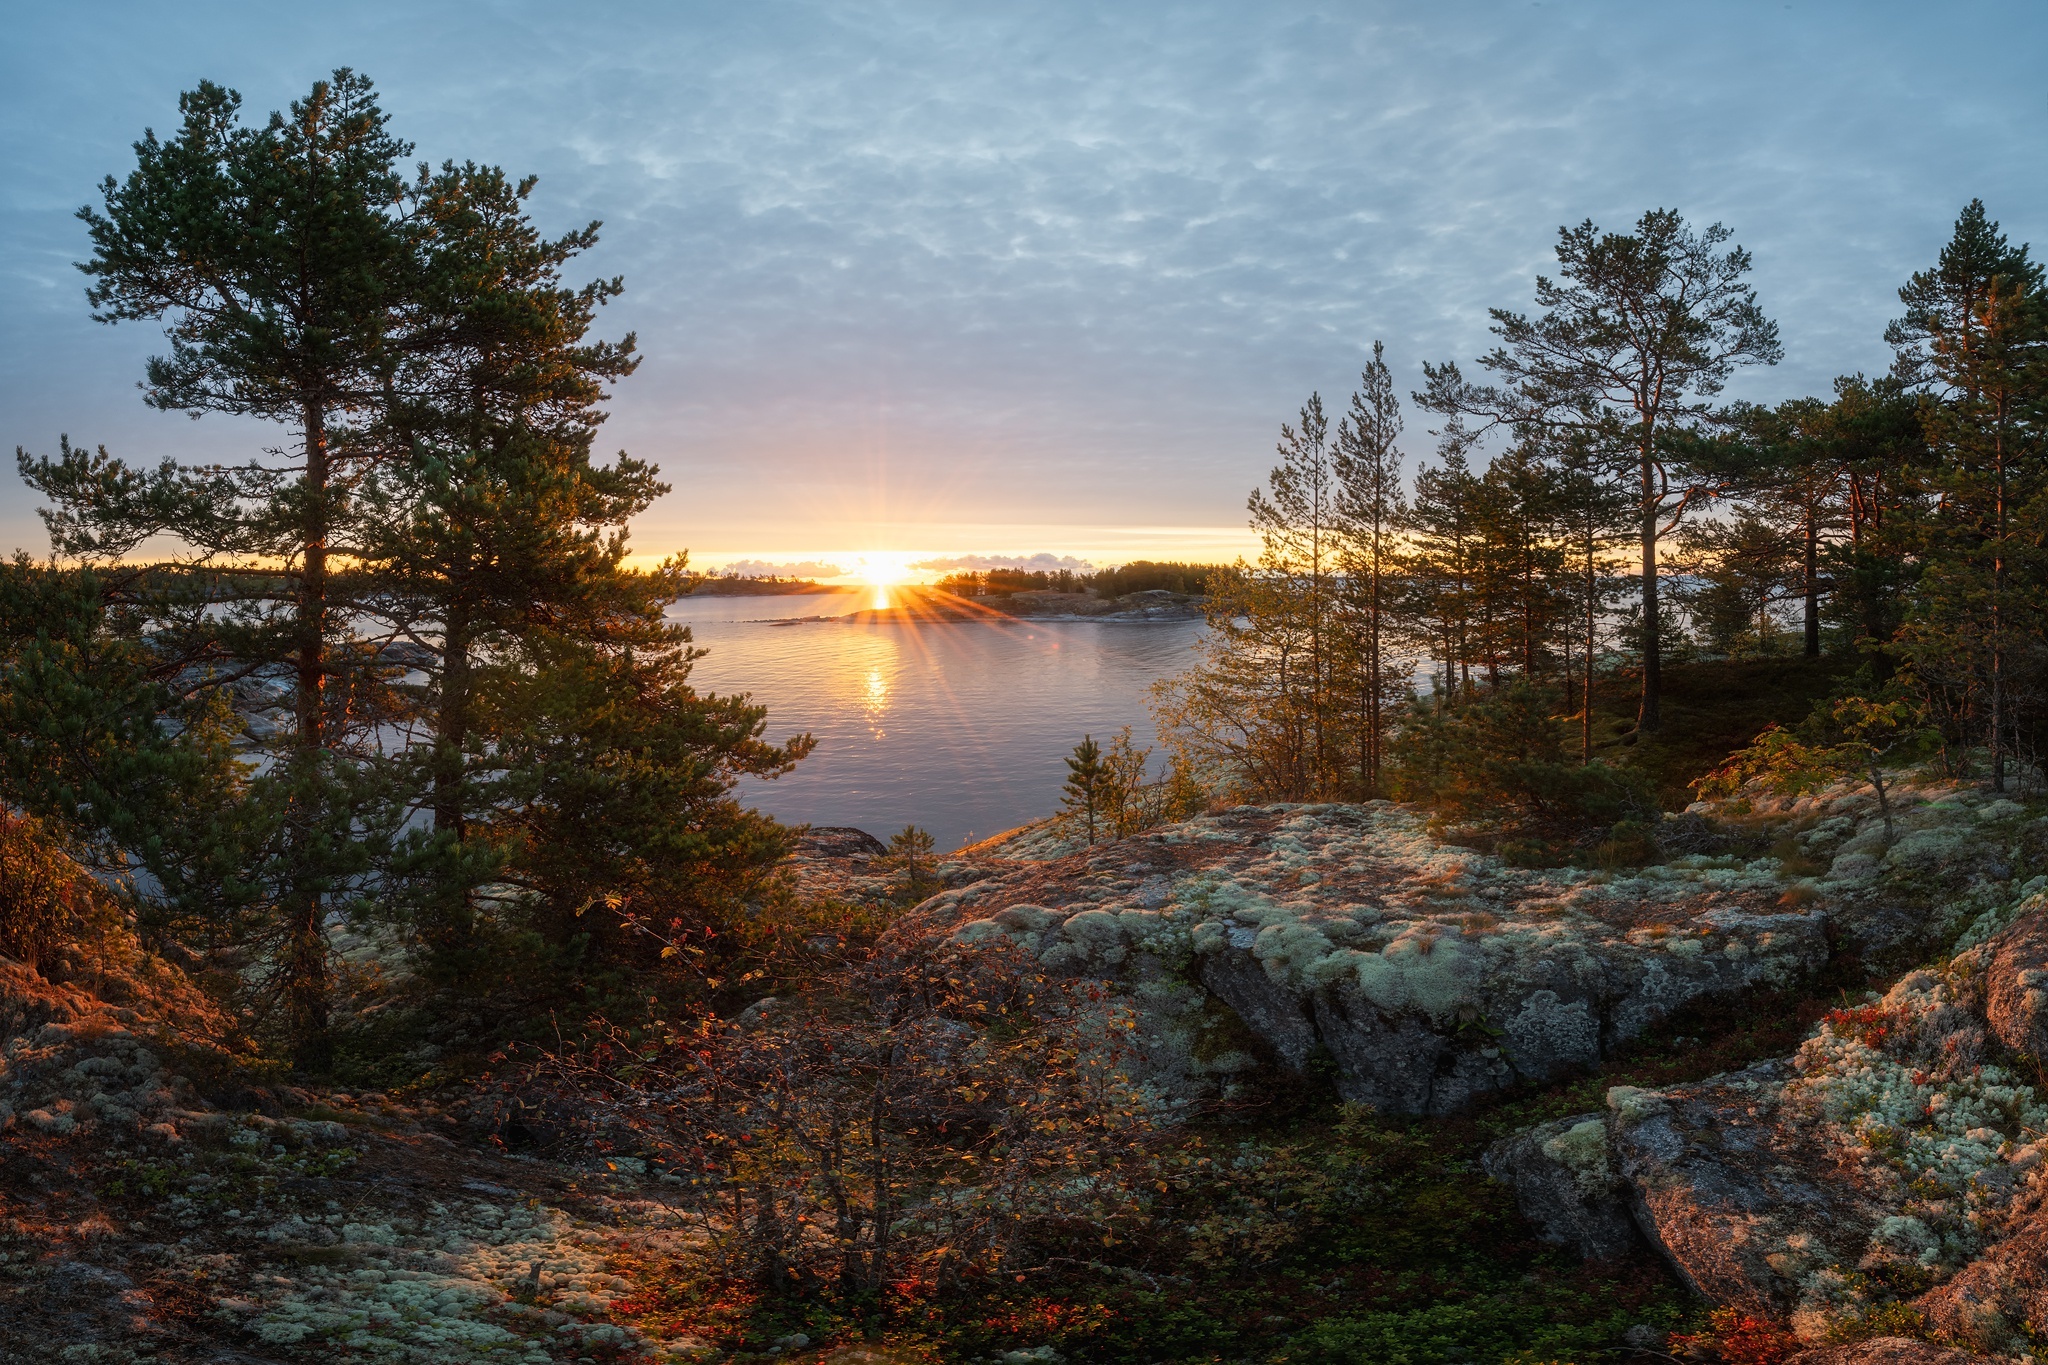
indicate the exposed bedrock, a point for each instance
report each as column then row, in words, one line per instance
column 2016, row 988
column 1565, row 1181
column 1891, row 1173
column 1422, row 974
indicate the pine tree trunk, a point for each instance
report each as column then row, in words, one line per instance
column 451, row 738
column 1647, row 717
column 1811, row 584
column 303, row 959
column 1586, row 703
column 451, row 723
column 1998, row 619
column 1374, row 724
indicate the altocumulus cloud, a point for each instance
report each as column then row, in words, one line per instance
column 1052, row 263
column 1038, row 563
column 761, row 568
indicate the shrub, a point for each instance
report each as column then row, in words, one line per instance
column 48, row 904
column 1456, row 1333
column 1504, row 754
column 914, row 1123
column 1528, row 853
column 1845, row 737
column 1737, row 1338
column 1632, row 843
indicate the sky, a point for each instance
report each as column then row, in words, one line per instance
column 923, row 281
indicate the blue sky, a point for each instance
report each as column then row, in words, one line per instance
column 1008, row 279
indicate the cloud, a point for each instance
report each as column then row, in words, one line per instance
column 1050, row 263
column 761, row 568
column 1038, row 563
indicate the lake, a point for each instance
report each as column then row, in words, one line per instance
column 959, row 727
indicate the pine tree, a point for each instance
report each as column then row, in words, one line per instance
column 443, row 514
column 1263, row 712
column 1795, row 484
column 1085, row 781
column 129, row 769
column 1593, row 516
column 1371, row 506
column 1974, row 341
column 1519, row 562
column 280, row 256
column 1881, row 446
column 616, row 811
column 492, row 520
column 1745, row 566
column 910, row 848
column 1123, row 784
column 1443, row 539
column 1301, row 539
column 1639, row 333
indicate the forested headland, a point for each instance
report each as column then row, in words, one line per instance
column 393, row 972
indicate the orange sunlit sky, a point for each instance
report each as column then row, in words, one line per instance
column 880, row 556
column 1039, row 282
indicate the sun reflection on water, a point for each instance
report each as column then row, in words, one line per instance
column 874, row 702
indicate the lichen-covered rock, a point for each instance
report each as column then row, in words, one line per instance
column 2016, row 985
column 1426, row 973
column 1746, row 1207
column 1999, row 1301
column 1945, row 869
column 1565, row 1182
column 1430, row 974
column 845, row 863
column 1895, row 1167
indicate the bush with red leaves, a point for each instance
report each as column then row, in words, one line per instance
column 1737, row 1338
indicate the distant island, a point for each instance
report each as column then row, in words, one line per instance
column 926, row 604
column 721, row 585
column 1142, row 586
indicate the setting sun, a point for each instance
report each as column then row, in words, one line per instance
column 883, row 568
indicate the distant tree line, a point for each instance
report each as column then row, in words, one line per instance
column 1140, row 575
column 395, row 679
column 1384, row 642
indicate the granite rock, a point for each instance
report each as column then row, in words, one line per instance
column 1424, row 974
column 1895, row 1168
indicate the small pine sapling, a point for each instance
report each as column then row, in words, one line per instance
column 910, row 848
column 1087, row 784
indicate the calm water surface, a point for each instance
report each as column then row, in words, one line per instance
column 960, row 727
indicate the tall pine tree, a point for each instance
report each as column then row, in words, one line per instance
column 1371, row 504
column 1974, row 341
column 280, row 258
column 1639, row 332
